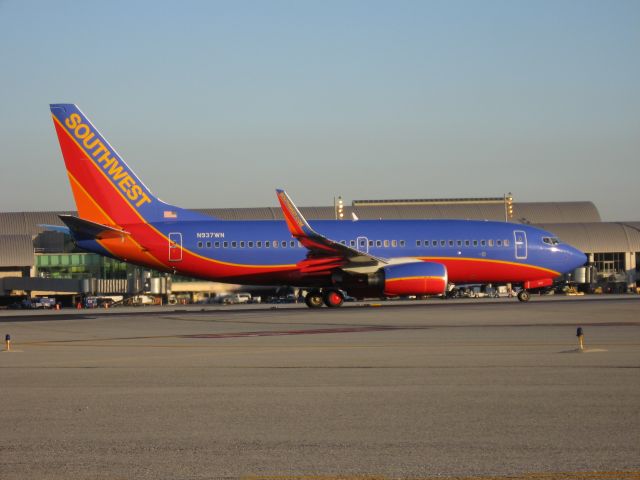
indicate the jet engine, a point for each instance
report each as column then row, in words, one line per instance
column 416, row 278
column 412, row 278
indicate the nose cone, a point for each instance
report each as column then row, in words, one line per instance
column 575, row 257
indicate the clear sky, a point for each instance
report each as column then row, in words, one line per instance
column 216, row 104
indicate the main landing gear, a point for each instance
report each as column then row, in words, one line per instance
column 524, row 296
column 329, row 297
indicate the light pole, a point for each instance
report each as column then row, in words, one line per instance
column 508, row 207
column 338, row 207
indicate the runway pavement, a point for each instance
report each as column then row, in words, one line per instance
column 473, row 389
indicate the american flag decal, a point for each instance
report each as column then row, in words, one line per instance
column 170, row 214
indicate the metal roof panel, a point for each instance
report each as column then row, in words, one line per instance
column 16, row 251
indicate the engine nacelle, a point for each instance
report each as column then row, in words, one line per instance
column 415, row 278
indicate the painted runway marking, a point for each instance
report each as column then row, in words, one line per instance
column 262, row 333
column 275, row 333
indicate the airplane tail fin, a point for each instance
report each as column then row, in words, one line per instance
column 105, row 189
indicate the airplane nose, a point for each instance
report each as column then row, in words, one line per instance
column 578, row 258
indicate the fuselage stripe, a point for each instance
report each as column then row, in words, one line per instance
column 417, row 277
column 100, row 242
column 553, row 273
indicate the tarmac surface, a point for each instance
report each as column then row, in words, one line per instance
column 437, row 389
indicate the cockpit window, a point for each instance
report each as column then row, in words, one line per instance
column 550, row 240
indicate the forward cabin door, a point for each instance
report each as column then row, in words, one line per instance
column 520, row 242
column 175, row 247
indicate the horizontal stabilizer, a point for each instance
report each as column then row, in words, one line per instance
column 84, row 229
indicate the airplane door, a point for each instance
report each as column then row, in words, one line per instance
column 520, row 241
column 175, row 247
column 362, row 244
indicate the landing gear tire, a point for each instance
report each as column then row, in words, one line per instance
column 524, row 296
column 314, row 299
column 333, row 298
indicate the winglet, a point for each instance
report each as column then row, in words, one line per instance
column 297, row 224
column 318, row 244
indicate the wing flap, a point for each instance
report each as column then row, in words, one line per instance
column 315, row 265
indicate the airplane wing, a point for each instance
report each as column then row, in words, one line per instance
column 324, row 253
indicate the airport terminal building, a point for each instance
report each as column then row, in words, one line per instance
column 35, row 261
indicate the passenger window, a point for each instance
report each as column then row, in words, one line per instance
column 443, row 243
column 292, row 243
column 490, row 242
column 234, row 244
column 275, row 244
column 378, row 243
column 459, row 243
column 499, row 243
column 475, row 243
column 506, row 243
column 426, row 243
column 451, row 243
column 386, row 243
column 344, row 242
column 259, row 244
column 267, row 244
column 216, row 245
column 250, row 244
column 199, row 244
column 402, row 243
column 483, row 242
column 225, row 244
column 241, row 244
column 394, row 243
column 467, row 243
column 371, row 243
column 434, row 243
column 352, row 243
column 283, row 244
column 418, row 243
column 208, row 244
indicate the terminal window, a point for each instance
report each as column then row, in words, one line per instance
column 609, row 263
